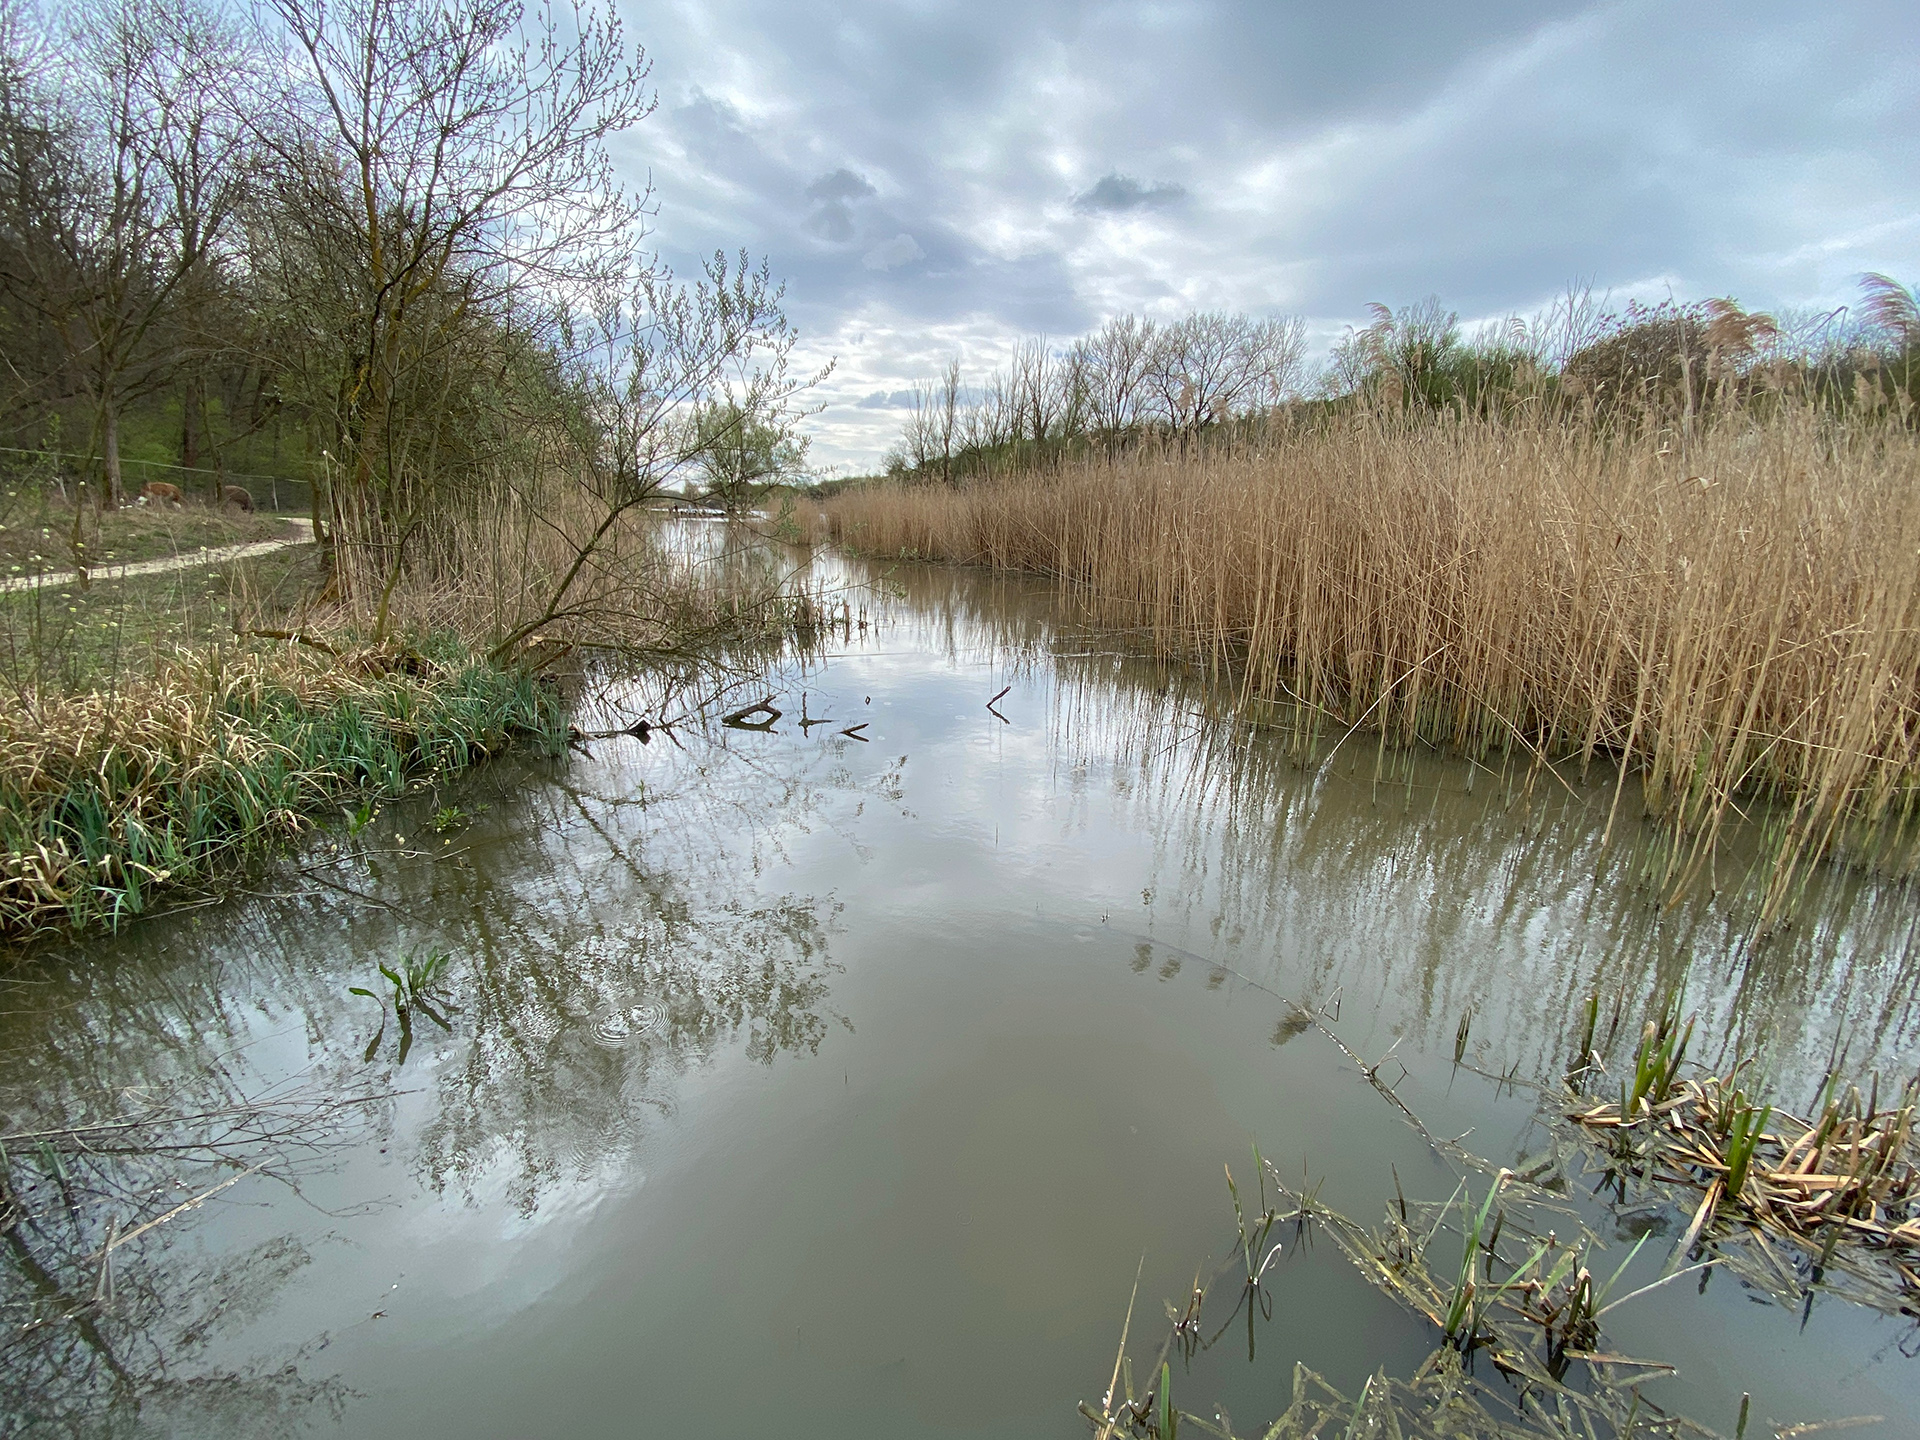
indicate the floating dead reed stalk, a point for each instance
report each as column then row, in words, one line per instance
column 1841, row 1190
column 1525, row 1300
column 1731, row 611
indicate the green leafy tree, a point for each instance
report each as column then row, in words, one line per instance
column 741, row 451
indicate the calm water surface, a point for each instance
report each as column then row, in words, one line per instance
column 812, row 1085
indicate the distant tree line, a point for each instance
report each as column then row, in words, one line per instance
column 389, row 228
column 1218, row 378
column 1130, row 380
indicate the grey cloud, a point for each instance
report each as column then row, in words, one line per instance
column 1122, row 192
column 832, row 221
column 834, row 194
column 885, row 400
column 1294, row 157
column 841, row 185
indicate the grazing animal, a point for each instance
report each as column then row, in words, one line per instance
column 159, row 492
column 235, row 496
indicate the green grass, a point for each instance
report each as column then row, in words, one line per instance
column 37, row 536
column 71, row 638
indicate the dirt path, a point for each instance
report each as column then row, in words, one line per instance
column 215, row 556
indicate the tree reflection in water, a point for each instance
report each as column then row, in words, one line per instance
column 576, row 1032
column 586, row 982
column 102, row 1335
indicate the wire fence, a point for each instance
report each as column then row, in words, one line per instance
column 269, row 492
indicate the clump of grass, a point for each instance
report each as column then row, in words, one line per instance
column 1728, row 610
column 1528, row 1300
column 1840, row 1191
column 1656, row 1063
column 109, row 799
column 414, row 983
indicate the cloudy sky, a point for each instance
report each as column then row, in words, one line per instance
column 936, row 179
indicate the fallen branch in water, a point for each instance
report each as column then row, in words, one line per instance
column 739, row 721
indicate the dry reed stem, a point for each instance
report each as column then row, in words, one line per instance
column 493, row 564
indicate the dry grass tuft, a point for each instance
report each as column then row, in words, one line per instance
column 109, row 798
column 1733, row 614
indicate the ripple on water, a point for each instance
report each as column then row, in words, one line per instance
column 619, row 1024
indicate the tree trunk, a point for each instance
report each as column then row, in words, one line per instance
column 190, row 423
column 110, row 451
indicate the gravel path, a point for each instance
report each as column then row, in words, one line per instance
column 216, row 556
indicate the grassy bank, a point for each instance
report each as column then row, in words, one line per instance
column 39, row 533
column 70, row 638
column 162, row 730
column 1733, row 613
column 109, row 798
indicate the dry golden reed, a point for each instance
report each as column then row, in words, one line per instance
column 1733, row 614
column 537, row 565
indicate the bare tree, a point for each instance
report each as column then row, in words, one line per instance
column 1120, row 356
column 945, row 412
column 38, row 165
column 445, row 172
column 655, row 356
column 1036, row 393
column 988, row 423
column 1107, row 387
column 1212, row 366
column 124, row 185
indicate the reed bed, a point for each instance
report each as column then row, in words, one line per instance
column 535, row 565
column 109, row 799
column 1730, row 610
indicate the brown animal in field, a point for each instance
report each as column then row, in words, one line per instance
column 235, row 496
column 159, row 492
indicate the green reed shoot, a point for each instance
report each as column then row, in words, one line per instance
column 1743, row 1135
column 1656, row 1062
column 1462, row 1314
column 1583, row 1057
column 1252, row 1238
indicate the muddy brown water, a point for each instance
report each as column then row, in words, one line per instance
column 809, row 1085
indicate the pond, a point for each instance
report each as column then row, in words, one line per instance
column 809, row 1083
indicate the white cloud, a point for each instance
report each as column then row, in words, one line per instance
column 902, row 249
